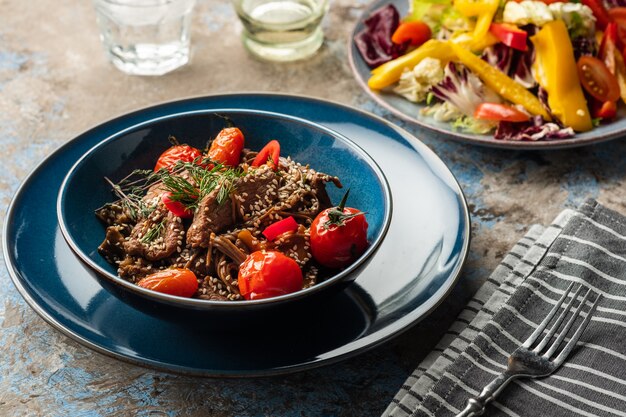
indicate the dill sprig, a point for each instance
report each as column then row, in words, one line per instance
column 131, row 191
column 200, row 183
column 154, row 232
column 201, row 177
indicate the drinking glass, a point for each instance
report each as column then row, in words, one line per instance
column 145, row 37
column 282, row 30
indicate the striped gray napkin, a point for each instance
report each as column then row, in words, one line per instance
column 587, row 245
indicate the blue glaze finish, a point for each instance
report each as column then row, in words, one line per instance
column 138, row 147
column 386, row 298
column 407, row 110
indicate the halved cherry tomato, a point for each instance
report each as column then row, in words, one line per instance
column 227, row 146
column 338, row 235
column 176, row 207
column 415, row 32
column 266, row 274
column 607, row 111
column 174, row 281
column 274, row 230
column 599, row 11
column 500, row 112
column 597, row 80
column 269, row 154
column 618, row 16
column 184, row 153
column 510, row 35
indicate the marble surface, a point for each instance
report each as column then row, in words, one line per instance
column 55, row 83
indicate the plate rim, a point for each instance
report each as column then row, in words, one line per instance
column 361, row 345
column 460, row 137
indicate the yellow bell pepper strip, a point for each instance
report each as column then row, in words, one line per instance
column 484, row 11
column 468, row 41
column 484, row 19
column 499, row 82
column 390, row 72
column 620, row 73
column 469, row 8
column 556, row 71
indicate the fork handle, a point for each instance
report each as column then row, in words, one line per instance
column 476, row 406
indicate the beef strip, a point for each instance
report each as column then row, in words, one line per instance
column 113, row 214
column 211, row 216
column 134, row 269
column 112, row 249
column 168, row 231
column 251, row 193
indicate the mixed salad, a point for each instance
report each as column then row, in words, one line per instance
column 529, row 70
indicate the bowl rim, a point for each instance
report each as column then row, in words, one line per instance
column 212, row 304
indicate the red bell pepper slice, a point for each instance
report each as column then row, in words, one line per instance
column 510, row 35
column 618, row 15
column 274, row 230
column 177, row 208
column 500, row 112
column 608, row 46
column 269, row 154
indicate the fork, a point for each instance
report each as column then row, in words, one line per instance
column 527, row 363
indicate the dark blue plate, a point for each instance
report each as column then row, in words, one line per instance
column 411, row 111
column 416, row 266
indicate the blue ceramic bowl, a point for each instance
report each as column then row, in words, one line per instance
column 84, row 190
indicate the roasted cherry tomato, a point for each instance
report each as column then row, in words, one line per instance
column 175, row 281
column 269, row 154
column 510, row 35
column 227, row 146
column 500, row 112
column 338, row 235
column 415, row 32
column 274, row 230
column 599, row 11
column 184, row 153
column 597, row 80
column 266, row 274
column 176, row 207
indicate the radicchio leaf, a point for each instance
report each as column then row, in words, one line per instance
column 374, row 42
column 463, row 89
column 499, row 56
column 533, row 130
column 514, row 63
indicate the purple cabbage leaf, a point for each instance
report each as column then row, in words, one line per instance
column 374, row 42
column 533, row 130
column 512, row 62
column 463, row 89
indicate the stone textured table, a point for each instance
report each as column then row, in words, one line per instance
column 56, row 83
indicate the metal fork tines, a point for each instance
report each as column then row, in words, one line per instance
column 538, row 359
